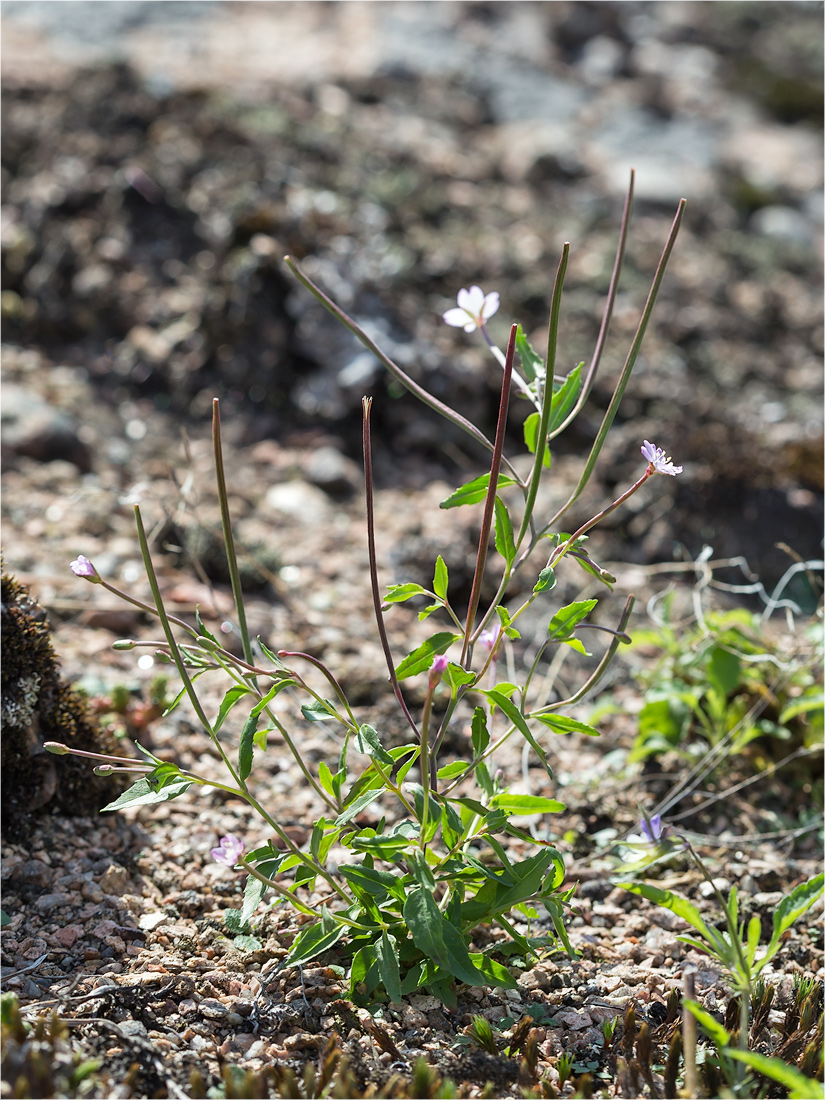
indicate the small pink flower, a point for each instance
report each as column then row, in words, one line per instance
column 488, row 638
column 82, row 567
column 474, row 308
column 439, row 664
column 657, row 458
column 229, row 851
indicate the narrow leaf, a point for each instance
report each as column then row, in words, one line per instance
column 526, row 804
column 565, row 398
column 505, row 543
column 563, row 622
column 421, row 658
column 441, row 578
column 386, row 955
column 474, row 491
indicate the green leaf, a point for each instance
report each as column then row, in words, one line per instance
column 505, row 543
column 247, row 943
column 495, row 973
column 376, row 883
column 803, row 705
column 531, row 432
column 799, row 1086
column 457, row 677
column 562, row 624
column 441, row 578
column 367, row 742
column 439, row 940
column 385, row 847
column 560, row 723
column 386, row 955
column 474, row 491
column 480, row 735
column 357, row 805
column 526, row 804
column 668, row 900
column 517, row 718
column 565, row 398
column 313, row 942
column 320, row 710
column 546, row 581
column 252, row 894
column 531, row 362
column 247, row 743
column 229, row 700
column 792, row 907
column 145, row 793
column 754, row 932
column 398, row 593
column 421, row 658
column 450, row 771
column 325, row 778
column 719, row 1034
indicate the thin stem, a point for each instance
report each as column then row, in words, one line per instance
column 590, row 377
column 336, row 687
column 501, row 359
column 630, row 362
column 393, row 368
column 376, row 594
column 228, row 537
column 424, row 760
column 174, row 649
column 550, row 369
column 490, row 500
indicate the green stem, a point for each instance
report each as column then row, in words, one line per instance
column 174, row 649
column 550, row 369
column 228, row 537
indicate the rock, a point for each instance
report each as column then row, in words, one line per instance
column 333, row 472
column 114, row 879
column 34, row 428
column 47, row 902
column 32, row 874
column 299, row 500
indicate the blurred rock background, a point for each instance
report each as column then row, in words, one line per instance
column 159, row 159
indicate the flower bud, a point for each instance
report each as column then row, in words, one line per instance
column 56, row 747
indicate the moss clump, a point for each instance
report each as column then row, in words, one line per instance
column 38, row 706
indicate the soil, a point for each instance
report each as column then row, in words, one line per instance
column 144, row 224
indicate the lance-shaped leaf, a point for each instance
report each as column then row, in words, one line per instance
column 441, row 579
column 531, row 362
column 421, row 658
column 565, row 398
column 439, row 940
column 561, row 626
column 509, row 708
column 505, row 543
column 247, row 742
column 386, row 955
column 475, row 490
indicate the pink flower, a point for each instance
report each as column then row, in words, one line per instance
column 439, row 664
column 82, row 567
column 657, row 458
column 488, row 638
column 229, row 851
column 474, row 308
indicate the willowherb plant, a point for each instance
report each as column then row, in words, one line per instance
column 404, row 904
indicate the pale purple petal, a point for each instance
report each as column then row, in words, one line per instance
column 488, row 638
column 440, row 664
column 82, row 567
column 653, row 829
column 229, row 851
column 657, row 458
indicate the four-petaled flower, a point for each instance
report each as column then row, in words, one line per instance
column 474, row 308
column 488, row 638
column 82, row 567
column 229, row 851
column 657, row 458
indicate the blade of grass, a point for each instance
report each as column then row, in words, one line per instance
column 228, row 537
